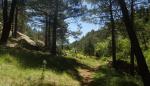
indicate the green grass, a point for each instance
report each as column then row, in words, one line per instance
column 13, row 76
column 107, row 76
column 21, row 67
column 90, row 61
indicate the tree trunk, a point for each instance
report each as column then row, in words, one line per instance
column 46, row 31
column 131, row 60
column 53, row 50
column 49, row 33
column 16, row 23
column 142, row 66
column 7, row 21
column 113, row 35
column 132, row 51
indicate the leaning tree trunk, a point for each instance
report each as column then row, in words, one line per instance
column 142, row 66
column 7, row 21
column 113, row 35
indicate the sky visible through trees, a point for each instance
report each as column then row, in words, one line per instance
column 83, row 42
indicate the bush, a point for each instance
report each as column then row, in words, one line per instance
column 102, row 49
column 123, row 48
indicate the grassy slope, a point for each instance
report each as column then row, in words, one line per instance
column 20, row 67
column 105, row 75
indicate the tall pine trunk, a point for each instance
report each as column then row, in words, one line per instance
column 7, row 20
column 16, row 23
column 142, row 66
column 49, row 33
column 46, row 31
column 131, row 46
column 53, row 50
column 113, row 34
column 131, row 60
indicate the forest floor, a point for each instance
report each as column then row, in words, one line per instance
column 58, row 71
column 87, row 76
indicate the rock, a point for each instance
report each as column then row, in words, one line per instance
column 26, row 42
column 12, row 45
column 40, row 43
column 25, row 38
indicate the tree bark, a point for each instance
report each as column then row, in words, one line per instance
column 132, row 51
column 7, row 21
column 46, row 31
column 53, row 50
column 50, row 33
column 131, row 60
column 16, row 23
column 142, row 66
column 113, row 34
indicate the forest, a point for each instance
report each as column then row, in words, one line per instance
column 39, row 46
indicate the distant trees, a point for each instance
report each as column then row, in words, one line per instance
column 54, row 13
column 89, row 48
column 105, row 11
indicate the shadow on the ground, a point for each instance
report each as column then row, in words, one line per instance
column 106, row 76
column 34, row 59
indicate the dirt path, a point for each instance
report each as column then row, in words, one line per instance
column 87, row 76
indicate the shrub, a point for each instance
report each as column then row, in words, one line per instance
column 102, row 49
column 123, row 48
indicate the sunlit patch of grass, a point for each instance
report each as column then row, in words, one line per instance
column 13, row 76
column 90, row 61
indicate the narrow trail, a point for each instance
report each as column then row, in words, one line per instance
column 87, row 75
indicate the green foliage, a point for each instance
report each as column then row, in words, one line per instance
column 106, row 76
column 123, row 48
column 102, row 49
column 147, row 56
column 93, row 36
column 89, row 48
